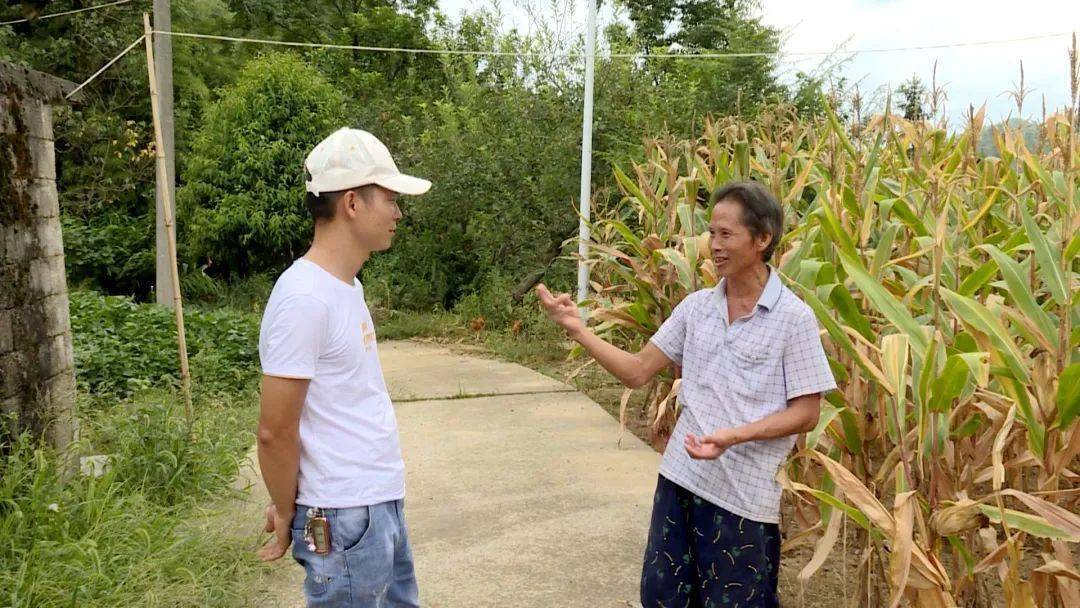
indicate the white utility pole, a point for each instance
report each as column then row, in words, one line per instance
column 163, row 285
column 586, row 153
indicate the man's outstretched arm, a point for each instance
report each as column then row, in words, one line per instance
column 633, row 370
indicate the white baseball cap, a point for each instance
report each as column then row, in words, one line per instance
column 350, row 158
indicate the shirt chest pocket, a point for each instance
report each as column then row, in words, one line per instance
column 756, row 341
column 754, row 364
column 752, row 354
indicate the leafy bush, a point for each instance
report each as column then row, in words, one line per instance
column 490, row 302
column 104, row 149
column 248, row 293
column 154, row 451
column 122, row 347
column 110, row 250
column 491, row 209
column 244, row 191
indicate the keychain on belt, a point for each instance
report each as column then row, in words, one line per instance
column 317, row 531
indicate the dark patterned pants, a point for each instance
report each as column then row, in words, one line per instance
column 702, row 556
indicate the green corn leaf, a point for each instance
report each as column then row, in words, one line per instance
column 828, row 414
column 1026, row 522
column 839, row 337
column 902, row 210
column 831, row 225
column 840, row 297
column 980, row 318
column 962, row 372
column 1068, row 396
column 975, row 281
column 1073, row 248
column 884, row 248
column 742, row 159
column 838, row 130
column 676, row 259
column 856, row 515
column 884, row 302
column 1020, row 293
column 1048, row 258
column 685, row 212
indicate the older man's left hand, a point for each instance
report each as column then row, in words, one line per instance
column 710, row 447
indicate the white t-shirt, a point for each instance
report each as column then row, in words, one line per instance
column 316, row 326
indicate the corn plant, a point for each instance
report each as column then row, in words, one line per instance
column 945, row 283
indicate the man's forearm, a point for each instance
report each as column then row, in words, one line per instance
column 799, row 417
column 623, row 365
column 279, row 461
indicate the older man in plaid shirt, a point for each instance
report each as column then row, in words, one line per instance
column 753, row 375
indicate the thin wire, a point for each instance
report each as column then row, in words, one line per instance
column 105, row 67
column 612, row 55
column 928, row 47
column 363, row 48
column 519, row 54
column 71, row 12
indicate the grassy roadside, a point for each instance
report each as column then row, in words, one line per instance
column 148, row 531
column 140, row 534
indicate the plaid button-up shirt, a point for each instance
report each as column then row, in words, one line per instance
column 735, row 373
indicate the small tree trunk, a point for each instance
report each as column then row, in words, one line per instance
column 534, row 277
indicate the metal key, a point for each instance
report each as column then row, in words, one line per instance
column 317, row 532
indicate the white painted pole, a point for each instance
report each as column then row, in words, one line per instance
column 586, row 154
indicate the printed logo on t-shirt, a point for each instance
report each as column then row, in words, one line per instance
column 369, row 335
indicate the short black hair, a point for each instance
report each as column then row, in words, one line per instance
column 322, row 205
column 761, row 211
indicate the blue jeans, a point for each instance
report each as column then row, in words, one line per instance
column 370, row 563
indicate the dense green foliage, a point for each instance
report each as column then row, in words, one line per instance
column 104, row 144
column 499, row 136
column 243, row 196
column 122, row 347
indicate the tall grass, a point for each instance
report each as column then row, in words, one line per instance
column 131, row 537
column 946, row 286
column 138, row 535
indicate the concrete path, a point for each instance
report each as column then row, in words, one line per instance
column 517, row 495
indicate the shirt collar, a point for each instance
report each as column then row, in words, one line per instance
column 770, row 295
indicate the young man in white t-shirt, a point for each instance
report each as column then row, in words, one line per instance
column 327, row 438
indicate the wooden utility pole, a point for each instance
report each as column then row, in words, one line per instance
column 166, row 185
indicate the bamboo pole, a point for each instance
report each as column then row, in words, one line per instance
column 178, row 306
